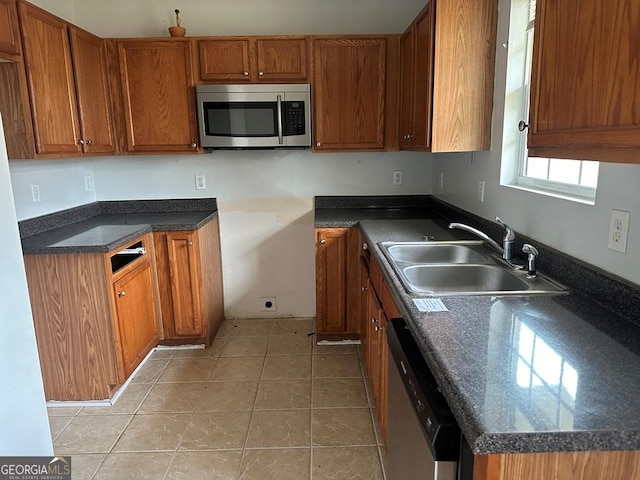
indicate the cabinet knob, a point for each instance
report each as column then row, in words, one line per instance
column 377, row 328
column 246, row 74
column 261, row 74
column 89, row 142
column 318, row 144
column 122, row 293
column 522, row 125
column 194, row 145
column 373, row 320
column 189, row 243
column 80, row 141
column 364, row 289
column 323, row 241
column 365, row 246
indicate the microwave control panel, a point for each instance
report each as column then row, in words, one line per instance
column 293, row 118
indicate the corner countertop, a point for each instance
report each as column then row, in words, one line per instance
column 105, row 226
column 521, row 374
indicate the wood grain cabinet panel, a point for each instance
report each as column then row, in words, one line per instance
column 190, row 284
column 136, row 315
column 253, row 59
column 9, row 31
column 51, row 82
column 585, row 100
column 337, row 283
column 93, row 326
column 349, row 80
column 282, row 59
column 158, row 97
column 224, row 59
column 92, row 86
column 68, row 86
column 447, row 70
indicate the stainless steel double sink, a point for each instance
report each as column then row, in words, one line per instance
column 461, row 268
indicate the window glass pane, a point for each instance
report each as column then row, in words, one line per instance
column 589, row 174
column 564, row 171
column 537, row 168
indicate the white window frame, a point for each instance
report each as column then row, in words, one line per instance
column 514, row 152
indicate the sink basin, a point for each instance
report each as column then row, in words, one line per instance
column 461, row 279
column 460, row 268
column 467, row 252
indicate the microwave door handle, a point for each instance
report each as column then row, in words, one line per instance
column 280, row 136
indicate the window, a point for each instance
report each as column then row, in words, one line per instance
column 572, row 179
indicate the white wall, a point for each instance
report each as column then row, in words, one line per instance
column 23, row 415
column 265, row 199
column 140, row 18
column 266, row 209
column 577, row 229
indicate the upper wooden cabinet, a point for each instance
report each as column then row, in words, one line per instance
column 349, row 93
column 585, row 86
column 253, row 59
column 9, row 31
column 68, row 88
column 157, row 94
column 447, row 77
column 416, row 82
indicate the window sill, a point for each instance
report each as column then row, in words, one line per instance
column 553, row 194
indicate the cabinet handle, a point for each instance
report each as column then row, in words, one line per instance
column 89, row 142
column 122, row 293
column 189, row 243
column 194, row 145
column 365, row 246
column 373, row 320
column 522, row 125
column 246, row 74
column 323, row 241
column 377, row 328
column 80, row 141
column 364, row 289
column 261, row 74
column 318, row 144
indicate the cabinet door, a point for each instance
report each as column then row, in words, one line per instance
column 90, row 69
column 136, row 315
column 383, row 361
column 224, row 60
column 373, row 346
column 9, row 33
column 51, row 83
column 585, row 100
column 282, row 59
column 423, row 80
column 331, row 280
column 349, row 93
column 158, row 96
column 184, row 270
column 407, row 47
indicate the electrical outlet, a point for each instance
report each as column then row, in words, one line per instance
column 201, row 181
column 268, row 304
column 441, row 179
column 35, row 192
column 481, row 191
column 397, row 177
column 88, row 183
column 619, row 230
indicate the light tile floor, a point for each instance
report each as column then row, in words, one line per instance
column 263, row 402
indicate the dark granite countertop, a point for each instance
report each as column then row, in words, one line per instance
column 106, row 226
column 521, row 374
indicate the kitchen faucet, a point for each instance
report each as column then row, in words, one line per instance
column 507, row 241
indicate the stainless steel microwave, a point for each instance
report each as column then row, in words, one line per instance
column 254, row 116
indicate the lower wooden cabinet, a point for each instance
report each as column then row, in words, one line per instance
column 136, row 315
column 374, row 319
column 190, row 284
column 95, row 317
column 337, row 283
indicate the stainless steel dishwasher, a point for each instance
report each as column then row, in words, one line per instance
column 423, row 438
